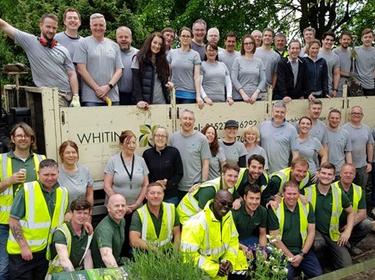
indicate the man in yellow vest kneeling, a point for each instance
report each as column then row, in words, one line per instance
column 156, row 223
column 38, row 209
column 329, row 201
column 70, row 247
column 293, row 226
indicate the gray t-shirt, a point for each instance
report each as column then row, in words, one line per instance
column 215, row 164
column 247, row 74
column 121, row 181
column 76, row 182
column 213, row 82
column 278, row 142
column 233, row 151
column 201, row 49
column 125, row 84
column 228, row 58
column 68, row 42
column 345, row 62
column 182, row 67
column 157, row 94
column 309, row 149
column 270, row 58
column 360, row 137
column 101, row 59
column 365, row 64
column 333, row 62
column 257, row 150
column 339, row 143
column 193, row 149
column 319, row 131
column 49, row 66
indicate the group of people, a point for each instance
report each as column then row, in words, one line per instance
column 214, row 199
column 96, row 71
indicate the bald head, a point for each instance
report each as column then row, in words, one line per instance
column 115, row 198
column 224, row 195
column 116, row 207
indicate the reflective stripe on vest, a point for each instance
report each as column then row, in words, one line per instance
column 148, row 229
column 240, row 177
column 6, row 197
column 37, row 225
column 334, row 232
column 54, row 265
column 284, row 176
column 357, row 194
column 303, row 222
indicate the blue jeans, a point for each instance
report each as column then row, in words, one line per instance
column 309, row 265
column 174, row 200
column 4, row 260
column 96, row 104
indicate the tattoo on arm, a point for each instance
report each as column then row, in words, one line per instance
column 17, row 232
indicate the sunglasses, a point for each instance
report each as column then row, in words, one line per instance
column 227, row 204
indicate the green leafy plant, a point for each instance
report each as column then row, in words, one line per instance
column 162, row 264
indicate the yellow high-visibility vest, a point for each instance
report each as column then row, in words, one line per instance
column 6, row 197
column 357, row 195
column 37, row 225
column 284, row 175
column 334, row 224
column 148, row 229
column 303, row 222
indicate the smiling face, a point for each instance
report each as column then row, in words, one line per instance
column 168, row 39
column 70, row 156
column 326, row 176
column 185, row 38
column 367, row 39
column 250, row 138
column 213, row 36
column 345, row 41
column 328, row 42
column 278, row 114
column 80, row 216
column 160, row 138
column 308, row 36
column 48, row 176
column 249, row 46
column 356, row 115
column 116, row 207
column 267, row 38
column 252, row 201
column 314, row 111
column 48, row 28
column 257, row 37
column 98, row 27
column 210, row 135
column 154, row 195
column 156, row 44
column 304, row 125
column 294, row 50
column 211, row 53
column 72, row 21
column 222, row 204
column 21, row 140
column 280, row 42
column 230, row 177
column 299, row 171
column 124, row 38
column 314, row 50
column 199, row 32
column 347, row 174
column 230, row 43
column 291, row 195
column 334, row 120
column 129, row 144
column 255, row 169
column 187, row 122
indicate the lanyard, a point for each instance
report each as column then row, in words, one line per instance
column 130, row 174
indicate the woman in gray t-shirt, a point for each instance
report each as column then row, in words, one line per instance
column 215, row 78
column 126, row 173
column 73, row 176
column 251, row 138
column 248, row 73
column 218, row 157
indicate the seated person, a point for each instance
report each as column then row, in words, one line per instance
column 70, row 247
column 196, row 200
column 109, row 235
column 293, row 226
column 156, row 223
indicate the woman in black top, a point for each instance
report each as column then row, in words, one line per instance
column 164, row 164
column 151, row 73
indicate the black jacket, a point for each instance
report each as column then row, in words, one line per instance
column 285, row 80
column 143, row 84
column 316, row 76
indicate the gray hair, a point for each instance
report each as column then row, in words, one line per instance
column 279, row 104
column 95, row 16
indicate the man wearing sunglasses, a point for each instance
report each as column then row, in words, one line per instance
column 210, row 238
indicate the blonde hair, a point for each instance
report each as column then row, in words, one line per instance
column 251, row 130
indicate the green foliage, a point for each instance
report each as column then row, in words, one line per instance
column 166, row 265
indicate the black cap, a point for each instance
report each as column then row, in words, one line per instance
column 231, row 123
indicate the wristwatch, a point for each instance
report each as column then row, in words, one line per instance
column 302, row 254
column 110, row 85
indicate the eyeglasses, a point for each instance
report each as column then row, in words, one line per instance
column 356, row 113
column 160, row 136
column 227, row 204
column 185, row 36
column 19, row 136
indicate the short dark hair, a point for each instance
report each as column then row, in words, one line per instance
column 230, row 34
column 304, row 117
column 167, row 29
column 254, row 188
column 230, row 165
column 367, row 31
column 80, row 203
column 258, row 158
column 328, row 33
column 347, row 33
column 267, row 29
column 214, row 47
column 51, row 16
column 315, row 102
column 242, row 43
column 290, row 184
column 48, row 163
column 294, row 41
column 327, row 165
column 334, row 111
column 70, row 9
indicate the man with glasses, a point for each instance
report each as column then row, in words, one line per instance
column 18, row 166
column 199, row 33
column 210, row 239
column 362, row 145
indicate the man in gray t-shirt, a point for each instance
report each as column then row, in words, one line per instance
column 50, row 62
column 278, row 138
column 365, row 62
column 269, row 57
column 99, row 64
column 362, row 144
column 339, row 142
column 199, row 29
column 195, row 152
column 70, row 38
column 333, row 62
column 344, row 52
column 125, row 84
